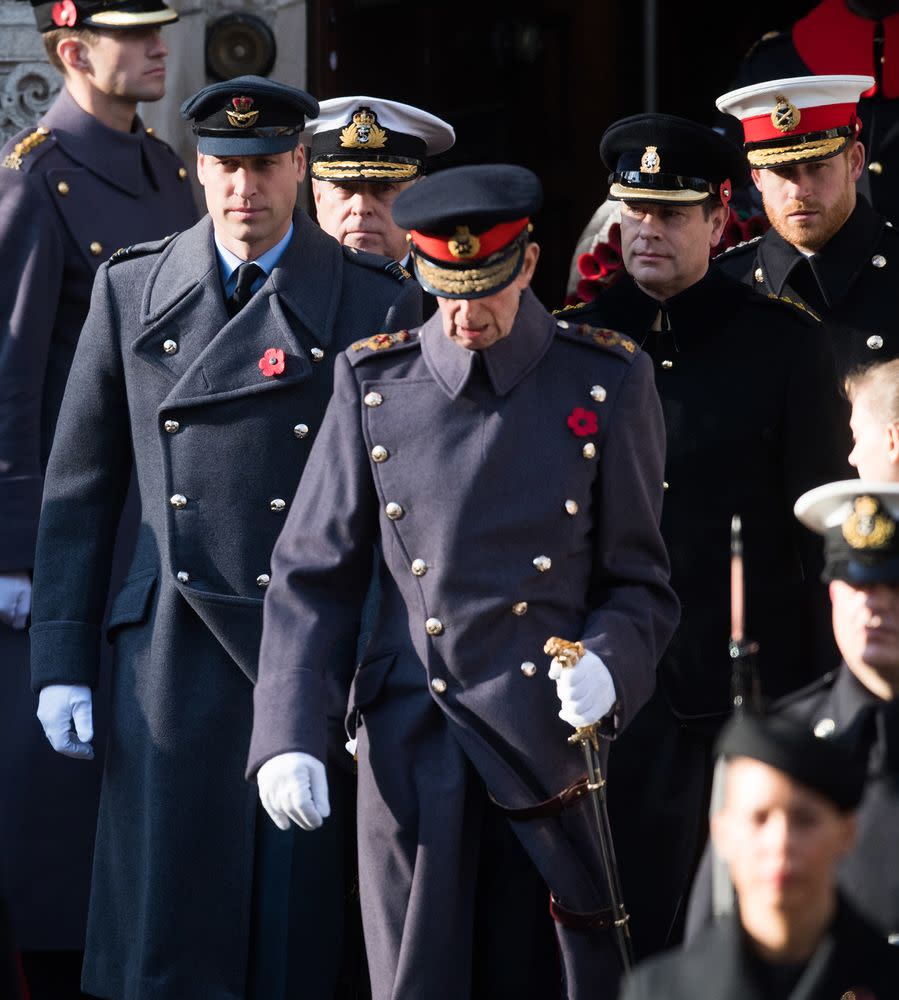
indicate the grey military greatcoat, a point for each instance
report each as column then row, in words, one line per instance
column 516, row 496
column 164, row 381
column 72, row 191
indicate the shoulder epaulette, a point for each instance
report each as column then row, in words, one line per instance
column 571, row 307
column 769, row 36
column 801, row 306
column 382, row 342
column 396, row 270
column 823, row 683
column 608, row 340
column 13, row 160
column 739, row 246
column 140, row 249
column 377, row 262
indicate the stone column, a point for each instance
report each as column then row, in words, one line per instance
column 28, row 83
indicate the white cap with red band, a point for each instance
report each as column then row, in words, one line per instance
column 797, row 119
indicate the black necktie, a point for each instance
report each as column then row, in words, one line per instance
column 246, row 275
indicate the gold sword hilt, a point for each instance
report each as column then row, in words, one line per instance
column 568, row 654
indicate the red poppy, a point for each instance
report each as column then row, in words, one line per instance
column 583, row 422
column 65, row 14
column 272, row 362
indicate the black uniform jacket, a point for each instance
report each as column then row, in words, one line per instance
column 851, row 961
column 869, row 875
column 753, row 420
column 165, row 383
column 851, row 283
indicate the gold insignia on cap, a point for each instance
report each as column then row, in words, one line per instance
column 651, row 162
column 463, row 244
column 242, row 116
column 363, row 132
column 868, row 526
column 785, row 117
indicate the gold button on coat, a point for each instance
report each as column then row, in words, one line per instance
column 63, row 188
column 824, row 728
column 571, row 507
column 149, row 130
column 170, row 346
column 562, row 324
column 875, row 342
column 96, row 248
column 598, row 393
column 759, row 275
column 434, row 626
column 664, row 484
column 373, row 399
column 263, row 580
column 528, row 668
column 394, row 511
column 301, row 430
column 379, row 453
column 520, row 608
column 178, row 501
column 183, row 577
column 277, row 505
column 667, row 364
column 589, row 450
column 543, row 563
column 172, row 426
column 182, row 173
column 419, row 567
column 878, row 260
column 875, row 167
column 438, row 685
column 317, row 354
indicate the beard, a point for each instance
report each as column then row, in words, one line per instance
column 817, row 232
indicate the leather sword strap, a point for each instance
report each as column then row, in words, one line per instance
column 549, row 807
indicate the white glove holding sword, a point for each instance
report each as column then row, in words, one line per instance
column 586, row 690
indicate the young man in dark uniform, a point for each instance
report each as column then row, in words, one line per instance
column 511, row 468
column 827, row 248
column 747, row 385
column 88, row 179
column 205, row 366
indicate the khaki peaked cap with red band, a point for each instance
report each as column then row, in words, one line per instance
column 797, row 119
column 469, row 227
column 655, row 157
column 106, row 14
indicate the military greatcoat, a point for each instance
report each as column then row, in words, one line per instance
column 516, row 494
column 72, row 191
column 850, row 283
column 753, row 420
column 165, row 383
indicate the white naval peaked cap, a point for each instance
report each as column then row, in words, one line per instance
column 373, row 139
column 826, row 507
column 796, row 119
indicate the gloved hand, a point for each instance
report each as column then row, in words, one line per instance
column 294, row 786
column 586, row 690
column 15, row 599
column 67, row 715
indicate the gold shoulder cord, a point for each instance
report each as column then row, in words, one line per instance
column 13, row 160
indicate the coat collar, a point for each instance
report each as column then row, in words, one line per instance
column 836, row 265
column 118, row 157
column 506, row 363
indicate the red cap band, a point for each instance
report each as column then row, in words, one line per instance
column 760, row 128
column 473, row 246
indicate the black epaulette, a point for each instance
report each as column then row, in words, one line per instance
column 816, row 687
column 377, row 262
column 607, row 340
column 379, row 343
column 769, row 36
column 795, row 304
column 13, row 160
column 739, row 246
column 570, row 308
column 140, row 249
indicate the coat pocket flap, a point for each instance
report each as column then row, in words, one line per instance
column 132, row 602
column 369, row 680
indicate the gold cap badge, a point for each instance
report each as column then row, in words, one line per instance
column 868, row 527
column 241, row 116
column 785, row 117
column 651, row 162
column 463, row 244
column 363, row 132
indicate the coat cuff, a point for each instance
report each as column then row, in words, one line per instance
column 64, row 653
column 20, row 504
column 296, row 719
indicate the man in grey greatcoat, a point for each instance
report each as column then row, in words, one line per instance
column 511, row 467
column 87, row 179
column 205, row 364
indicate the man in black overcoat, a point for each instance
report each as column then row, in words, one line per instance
column 747, row 386
column 860, row 697
column 511, row 468
column 827, row 248
column 788, row 818
column 205, row 366
column 87, row 179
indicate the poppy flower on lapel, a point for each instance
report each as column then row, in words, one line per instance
column 583, row 422
column 272, row 362
column 64, row 14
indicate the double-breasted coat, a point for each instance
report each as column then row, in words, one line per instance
column 516, row 494
column 850, row 283
column 753, row 419
column 852, row 960
column 72, row 191
column 164, row 383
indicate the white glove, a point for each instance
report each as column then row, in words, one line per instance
column 586, row 690
column 67, row 715
column 15, row 599
column 294, row 786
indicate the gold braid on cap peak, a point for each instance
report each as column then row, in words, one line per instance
column 772, row 156
column 474, row 279
column 348, row 170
